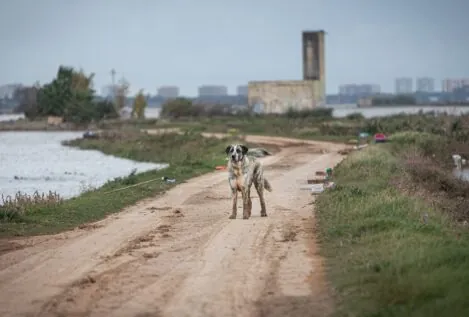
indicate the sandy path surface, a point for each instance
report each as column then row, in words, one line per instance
column 178, row 254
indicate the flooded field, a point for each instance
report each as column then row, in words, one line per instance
column 344, row 110
column 36, row 161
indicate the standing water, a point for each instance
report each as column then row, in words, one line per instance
column 37, row 161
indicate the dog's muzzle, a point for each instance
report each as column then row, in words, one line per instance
column 236, row 157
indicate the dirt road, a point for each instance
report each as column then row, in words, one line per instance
column 179, row 255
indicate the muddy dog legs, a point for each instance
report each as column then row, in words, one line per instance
column 234, row 197
column 260, row 192
column 247, row 204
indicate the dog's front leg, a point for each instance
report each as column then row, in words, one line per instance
column 247, row 203
column 234, row 197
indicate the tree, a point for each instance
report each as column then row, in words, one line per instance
column 26, row 101
column 121, row 92
column 139, row 106
column 70, row 95
column 178, row 107
column 80, row 107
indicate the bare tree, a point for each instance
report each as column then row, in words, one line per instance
column 120, row 94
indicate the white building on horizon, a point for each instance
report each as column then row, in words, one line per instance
column 403, row 85
column 425, row 84
column 168, row 92
column 212, row 90
column 451, row 84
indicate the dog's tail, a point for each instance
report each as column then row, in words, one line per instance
column 267, row 185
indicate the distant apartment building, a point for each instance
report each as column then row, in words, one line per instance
column 7, row 91
column 168, row 92
column 403, row 85
column 425, row 84
column 212, row 90
column 451, row 84
column 359, row 89
column 242, row 90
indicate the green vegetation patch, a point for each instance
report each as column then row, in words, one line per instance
column 388, row 253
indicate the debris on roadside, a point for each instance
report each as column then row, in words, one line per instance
column 168, row 180
column 359, row 147
column 90, row 135
column 320, row 188
column 380, row 138
column 320, row 182
column 316, row 180
column 459, row 161
column 317, row 188
column 345, row 151
column 362, row 140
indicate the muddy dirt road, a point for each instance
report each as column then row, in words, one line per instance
column 179, row 255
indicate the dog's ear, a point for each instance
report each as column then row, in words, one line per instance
column 244, row 149
column 228, row 149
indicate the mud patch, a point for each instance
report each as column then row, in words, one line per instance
column 280, row 208
column 9, row 246
column 90, row 226
column 176, row 213
column 163, row 228
column 79, row 297
column 289, row 232
column 143, row 241
column 279, row 166
column 148, row 314
column 153, row 208
column 84, row 281
column 204, row 197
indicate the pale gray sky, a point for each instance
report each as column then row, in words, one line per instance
column 189, row 43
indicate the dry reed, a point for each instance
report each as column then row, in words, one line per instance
column 20, row 203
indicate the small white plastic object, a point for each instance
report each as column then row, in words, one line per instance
column 457, row 160
column 317, row 188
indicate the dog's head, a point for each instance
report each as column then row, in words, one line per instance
column 236, row 152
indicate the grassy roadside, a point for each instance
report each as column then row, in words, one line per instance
column 189, row 155
column 390, row 249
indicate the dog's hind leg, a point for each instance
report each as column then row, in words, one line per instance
column 234, row 197
column 260, row 191
column 267, row 185
column 249, row 203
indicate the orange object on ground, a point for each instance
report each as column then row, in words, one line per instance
column 220, row 167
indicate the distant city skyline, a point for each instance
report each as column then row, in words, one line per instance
column 232, row 43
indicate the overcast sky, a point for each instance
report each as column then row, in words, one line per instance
column 189, row 43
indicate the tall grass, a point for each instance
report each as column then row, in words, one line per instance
column 14, row 207
column 390, row 253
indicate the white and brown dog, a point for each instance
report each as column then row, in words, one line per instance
column 243, row 171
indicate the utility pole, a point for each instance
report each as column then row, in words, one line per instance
column 113, row 76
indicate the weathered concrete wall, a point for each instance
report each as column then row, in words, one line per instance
column 278, row 96
column 314, row 62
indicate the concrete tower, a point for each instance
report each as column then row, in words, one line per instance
column 314, row 62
